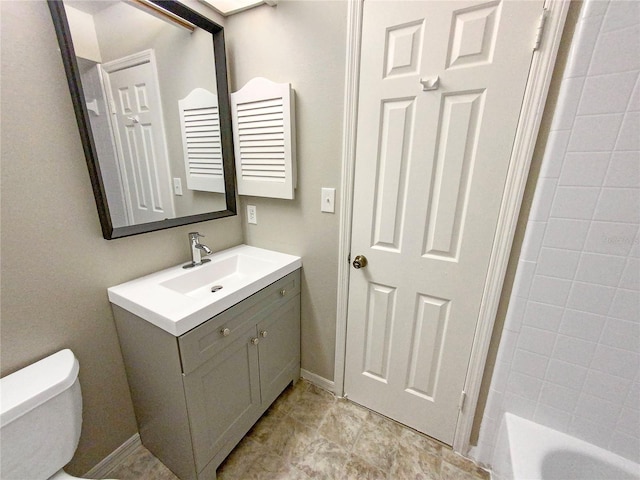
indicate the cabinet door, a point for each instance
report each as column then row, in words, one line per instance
column 223, row 397
column 279, row 349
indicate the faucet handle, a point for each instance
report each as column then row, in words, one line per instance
column 195, row 235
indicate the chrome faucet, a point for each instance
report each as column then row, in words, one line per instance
column 196, row 248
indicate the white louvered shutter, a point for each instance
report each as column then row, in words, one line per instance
column 200, row 123
column 264, row 139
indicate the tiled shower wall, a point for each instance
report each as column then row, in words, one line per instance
column 570, row 350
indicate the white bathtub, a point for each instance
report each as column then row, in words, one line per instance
column 528, row 451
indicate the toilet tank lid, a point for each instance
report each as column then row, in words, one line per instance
column 33, row 385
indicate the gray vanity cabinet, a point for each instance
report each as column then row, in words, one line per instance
column 230, row 369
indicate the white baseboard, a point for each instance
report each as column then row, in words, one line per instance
column 102, row 469
column 318, row 380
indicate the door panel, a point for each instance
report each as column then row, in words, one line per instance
column 140, row 137
column 441, row 87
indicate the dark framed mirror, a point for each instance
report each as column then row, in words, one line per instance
column 148, row 81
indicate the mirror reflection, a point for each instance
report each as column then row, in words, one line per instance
column 148, row 78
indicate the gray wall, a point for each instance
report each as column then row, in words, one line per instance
column 56, row 266
column 303, row 43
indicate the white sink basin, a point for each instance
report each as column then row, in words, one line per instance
column 178, row 299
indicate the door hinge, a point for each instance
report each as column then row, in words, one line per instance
column 540, row 29
column 463, row 398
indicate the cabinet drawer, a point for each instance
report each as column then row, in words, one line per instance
column 201, row 343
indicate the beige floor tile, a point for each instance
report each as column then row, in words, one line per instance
column 321, row 460
column 308, row 434
column 240, row 459
column 464, row 464
column 289, row 437
column 342, row 425
column 358, row 469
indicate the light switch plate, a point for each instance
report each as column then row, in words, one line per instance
column 177, row 186
column 328, row 200
column 252, row 214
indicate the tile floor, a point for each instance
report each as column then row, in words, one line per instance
column 310, row 434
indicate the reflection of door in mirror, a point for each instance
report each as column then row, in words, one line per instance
column 136, row 118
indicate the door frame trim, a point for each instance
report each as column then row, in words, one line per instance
column 535, row 96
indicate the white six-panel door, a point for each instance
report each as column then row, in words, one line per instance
column 441, row 88
column 136, row 114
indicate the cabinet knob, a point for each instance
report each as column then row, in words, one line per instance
column 225, row 332
column 283, row 292
column 263, row 333
column 255, row 341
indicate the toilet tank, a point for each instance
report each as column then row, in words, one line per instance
column 40, row 417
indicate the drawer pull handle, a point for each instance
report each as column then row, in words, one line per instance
column 225, row 332
column 283, row 292
column 263, row 333
column 255, row 341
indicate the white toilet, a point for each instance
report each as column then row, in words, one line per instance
column 40, row 419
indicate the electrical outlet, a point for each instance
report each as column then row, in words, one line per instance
column 177, row 186
column 252, row 214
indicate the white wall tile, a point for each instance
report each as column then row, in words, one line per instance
column 634, row 102
column 529, row 363
column 595, row 133
column 626, row 305
column 626, row 14
column 583, row 325
column 629, row 137
column 603, row 412
column 607, row 93
column 524, row 278
column 566, row 374
column 559, row 397
column 568, row 101
column 518, row 405
column 582, row 47
column 565, row 233
column 610, row 238
column 631, row 276
column 552, row 417
column 588, row 297
column 543, row 199
column 536, row 340
column 596, row 8
column 622, row 334
column 616, row 51
column 554, row 153
column 542, row 315
column 615, row 361
column 524, row 385
column 515, row 313
column 573, row 350
column 532, row 241
column 633, row 398
column 554, row 262
column 608, row 387
column 548, row 289
column 508, row 342
column 619, row 204
column 584, row 169
column 600, row 269
column 575, row 202
column 629, row 421
column 624, row 170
